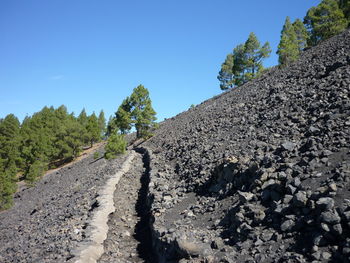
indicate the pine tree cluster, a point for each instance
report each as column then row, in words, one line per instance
column 321, row 22
column 44, row 140
column 244, row 63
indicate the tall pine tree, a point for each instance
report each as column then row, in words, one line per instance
column 123, row 116
column 301, row 33
column 137, row 111
column 93, row 129
column 254, row 55
column 288, row 49
column 9, row 158
column 142, row 112
column 102, row 123
column 324, row 21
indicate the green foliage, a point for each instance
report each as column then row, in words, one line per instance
column 135, row 110
column 9, row 159
column 123, row 116
column 142, row 112
column 36, row 170
column 111, row 126
column 301, row 33
column 288, row 49
column 9, row 141
column 96, row 155
column 72, row 138
column 46, row 139
column 344, row 5
column 232, row 70
column 116, row 144
column 293, row 41
column 7, row 188
column 82, row 118
column 325, row 20
column 244, row 63
column 93, row 129
column 102, row 123
column 254, row 54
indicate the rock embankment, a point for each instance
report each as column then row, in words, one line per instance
column 49, row 221
column 260, row 173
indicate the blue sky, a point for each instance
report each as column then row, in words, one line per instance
column 91, row 54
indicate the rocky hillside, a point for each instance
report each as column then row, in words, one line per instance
column 257, row 174
column 260, row 173
column 49, row 221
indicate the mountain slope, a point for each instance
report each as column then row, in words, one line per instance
column 257, row 174
column 262, row 172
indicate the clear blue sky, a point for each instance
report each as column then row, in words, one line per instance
column 91, row 53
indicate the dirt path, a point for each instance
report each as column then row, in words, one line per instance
column 99, row 228
column 128, row 238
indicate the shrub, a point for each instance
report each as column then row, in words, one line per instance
column 96, row 155
column 116, row 144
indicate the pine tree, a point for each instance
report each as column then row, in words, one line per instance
column 244, row 63
column 7, row 188
column 345, row 7
column 83, row 120
column 111, row 126
column 232, row 70
column 93, row 129
column 301, row 33
column 102, row 123
column 324, row 21
column 254, row 54
column 123, row 116
column 73, row 138
column 288, row 49
column 36, row 170
column 142, row 112
column 226, row 76
column 9, row 158
column 36, row 142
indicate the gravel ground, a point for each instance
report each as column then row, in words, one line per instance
column 260, row 173
column 48, row 221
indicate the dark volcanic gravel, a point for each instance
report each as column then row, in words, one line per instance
column 128, row 238
column 260, row 173
column 48, row 220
